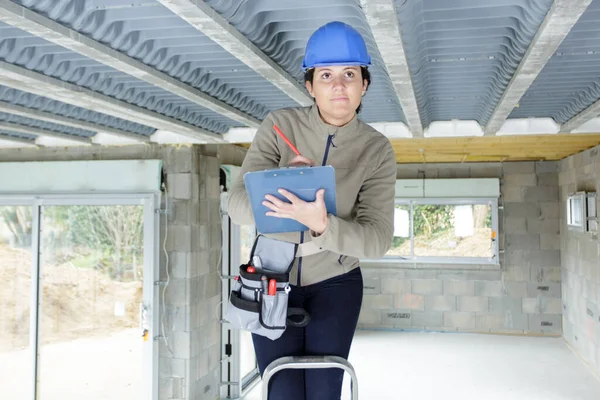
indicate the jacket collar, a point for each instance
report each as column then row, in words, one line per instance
column 321, row 127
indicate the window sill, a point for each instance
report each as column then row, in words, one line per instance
column 432, row 264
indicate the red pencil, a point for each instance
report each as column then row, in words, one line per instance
column 294, row 149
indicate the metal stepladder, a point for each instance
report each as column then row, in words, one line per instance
column 309, row 362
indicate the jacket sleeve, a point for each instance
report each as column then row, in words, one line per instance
column 369, row 235
column 263, row 154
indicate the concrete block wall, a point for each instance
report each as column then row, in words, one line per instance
column 522, row 296
column 189, row 366
column 580, row 260
column 190, row 359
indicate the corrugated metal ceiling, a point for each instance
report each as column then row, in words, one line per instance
column 570, row 82
column 461, row 54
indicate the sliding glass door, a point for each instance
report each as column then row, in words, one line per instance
column 76, row 280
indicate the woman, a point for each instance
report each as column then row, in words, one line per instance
column 327, row 284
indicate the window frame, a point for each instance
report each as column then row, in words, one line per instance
column 571, row 225
column 493, row 260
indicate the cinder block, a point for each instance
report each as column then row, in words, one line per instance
column 519, row 167
column 430, row 319
column 535, row 225
column 546, row 166
column 397, row 318
column 517, row 273
column 473, row 303
column 514, row 320
column 542, row 305
column 545, row 274
column 460, row 320
column 171, row 368
column 502, row 305
column 513, row 193
column 549, row 241
column 549, row 210
column 165, row 389
column 487, row 170
column 545, row 323
column 201, row 365
column 176, row 293
column 180, row 264
column 201, row 236
column 178, row 318
column 177, row 159
column 179, row 343
column 588, row 249
column 410, row 301
column 378, row 301
column 546, row 289
column 515, row 225
column 396, row 286
column 459, row 288
column 522, row 242
column 488, row 288
column 427, row 286
column 489, row 322
column 516, row 289
column 440, row 303
column 541, row 258
column 371, row 285
column 547, row 179
column 519, row 180
column 178, row 212
column 473, row 275
column 369, row 317
column 179, row 186
column 457, row 171
column 541, row 193
column 519, row 209
column 179, row 238
column 213, row 285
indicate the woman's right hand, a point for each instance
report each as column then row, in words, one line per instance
column 301, row 161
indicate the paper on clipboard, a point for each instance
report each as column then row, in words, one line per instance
column 304, row 182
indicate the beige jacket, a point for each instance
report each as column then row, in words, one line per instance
column 365, row 171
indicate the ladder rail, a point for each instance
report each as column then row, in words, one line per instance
column 309, row 362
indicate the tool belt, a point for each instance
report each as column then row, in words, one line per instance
column 258, row 301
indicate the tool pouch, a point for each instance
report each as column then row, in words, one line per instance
column 251, row 307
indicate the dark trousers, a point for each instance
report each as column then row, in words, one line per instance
column 334, row 306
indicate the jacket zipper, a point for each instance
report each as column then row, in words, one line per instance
column 325, row 156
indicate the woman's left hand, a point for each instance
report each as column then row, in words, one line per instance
column 312, row 214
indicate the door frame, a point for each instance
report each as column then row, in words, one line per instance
column 151, row 203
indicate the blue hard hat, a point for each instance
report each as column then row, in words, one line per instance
column 335, row 43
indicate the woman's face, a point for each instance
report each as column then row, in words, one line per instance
column 337, row 90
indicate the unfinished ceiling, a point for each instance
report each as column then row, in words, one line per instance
column 453, row 80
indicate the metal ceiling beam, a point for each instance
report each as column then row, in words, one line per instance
column 42, row 85
column 586, row 115
column 29, row 130
column 45, row 28
column 382, row 17
column 17, row 140
column 39, row 115
column 556, row 26
column 205, row 19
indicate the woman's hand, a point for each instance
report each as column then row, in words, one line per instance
column 312, row 214
column 300, row 161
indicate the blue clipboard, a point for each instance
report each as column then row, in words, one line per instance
column 304, row 182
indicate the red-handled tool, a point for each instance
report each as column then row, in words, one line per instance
column 272, row 287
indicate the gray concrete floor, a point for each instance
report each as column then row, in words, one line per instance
column 419, row 366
